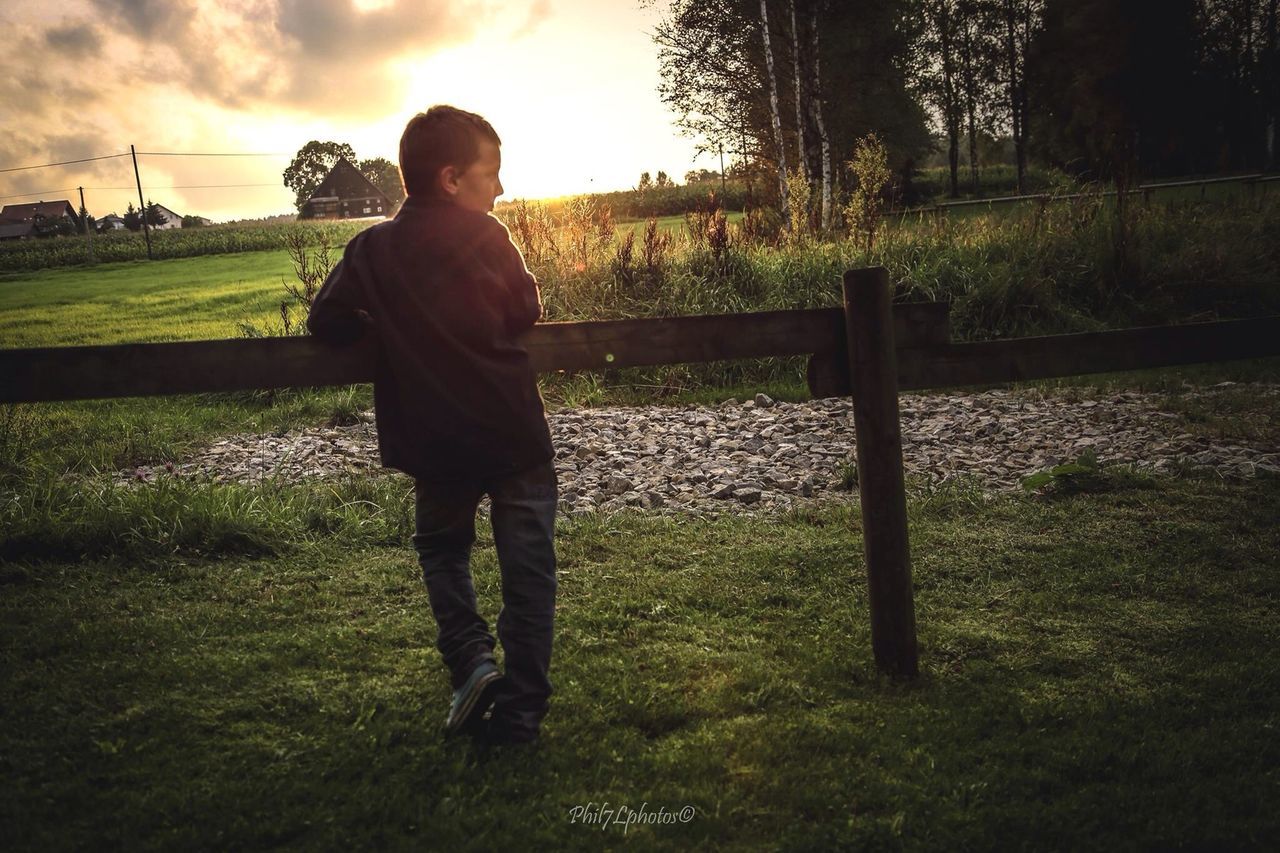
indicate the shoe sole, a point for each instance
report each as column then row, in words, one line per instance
column 481, row 698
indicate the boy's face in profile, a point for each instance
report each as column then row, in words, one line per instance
column 476, row 187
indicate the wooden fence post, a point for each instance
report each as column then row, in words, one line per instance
column 873, row 373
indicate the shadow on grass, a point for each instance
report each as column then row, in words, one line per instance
column 1099, row 670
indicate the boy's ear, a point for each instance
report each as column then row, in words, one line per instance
column 447, row 180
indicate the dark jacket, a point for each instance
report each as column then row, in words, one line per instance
column 446, row 293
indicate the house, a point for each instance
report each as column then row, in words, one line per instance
column 171, row 219
column 20, row 221
column 345, row 194
column 111, row 222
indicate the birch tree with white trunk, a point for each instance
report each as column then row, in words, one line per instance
column 775, row 115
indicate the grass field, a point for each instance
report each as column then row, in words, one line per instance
column 1099, row 670
column 135, row 301
column 187, row 665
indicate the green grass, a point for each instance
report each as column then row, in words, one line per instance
column 669, row 224
column 1099, row 671
column 134, row 301
column 91, row 436
column 187, row 665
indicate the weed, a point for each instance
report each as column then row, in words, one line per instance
column 654, row 249
column 624, row 272
column 870, row 170
column 578, row 390
column 1086, row 474
column 799, row 209
column 847, row 475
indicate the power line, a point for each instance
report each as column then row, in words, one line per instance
column 179, row 187
column 215, row 186
column 46, row 192
column 63, row 163
column 155, row 154
column 214, row 154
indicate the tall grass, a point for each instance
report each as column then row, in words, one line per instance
column 1043, row 268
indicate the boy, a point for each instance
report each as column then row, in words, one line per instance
column 446, row 293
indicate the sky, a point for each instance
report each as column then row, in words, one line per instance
column 569, row 85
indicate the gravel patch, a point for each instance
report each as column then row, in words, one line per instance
column 763, row 456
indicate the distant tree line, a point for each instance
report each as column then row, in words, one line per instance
column 1103, row 89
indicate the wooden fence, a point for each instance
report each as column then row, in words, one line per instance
column 1253, row 182
column 895, row 347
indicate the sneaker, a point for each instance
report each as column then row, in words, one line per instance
column 501, row 732
column 473, row 698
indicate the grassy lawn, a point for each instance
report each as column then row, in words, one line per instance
column 670, row 224
column 201, row 298
column 1100, row 670
column 214, row 667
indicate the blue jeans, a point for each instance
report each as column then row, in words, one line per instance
column 523, row 517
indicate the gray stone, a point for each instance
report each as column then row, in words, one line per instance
column 692, row 459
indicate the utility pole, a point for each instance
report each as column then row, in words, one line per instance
column 88, row 229
column 722, row 168
column 146, row 232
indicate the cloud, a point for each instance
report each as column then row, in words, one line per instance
column 539, row 11
column 319, row 57
column 192, row 75
column 81, row 39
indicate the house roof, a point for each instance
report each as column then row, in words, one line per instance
column 169, row 213
column 26, row 212
column 345, row 181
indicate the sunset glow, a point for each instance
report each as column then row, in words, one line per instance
column 568, row 84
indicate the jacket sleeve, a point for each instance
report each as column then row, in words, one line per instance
column 339, row 313
column 523, row 304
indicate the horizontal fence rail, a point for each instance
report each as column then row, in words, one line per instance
column 1250, row 181
column 140, row 370
column 945, row 365
column 926, row 357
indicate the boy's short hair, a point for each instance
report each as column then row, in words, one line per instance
column 442, row 136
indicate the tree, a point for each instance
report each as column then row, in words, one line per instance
column 708, row 52
column 1239, row 65
column 310, row 166
column 700, row 176
column 813, row 147
column 1018, row 23
column 1115, row 88
column 132, row 219
column 646, row 182
column 84, row 222
column 940, row 79
column 53, row 226
column 155, row 217
column 384, row 175
column 728, row 69
column 977, row 59
column 814, row 80
column 663, row 181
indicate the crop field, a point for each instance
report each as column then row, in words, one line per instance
column 28, row 255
